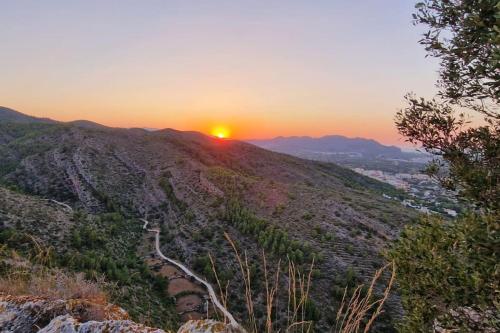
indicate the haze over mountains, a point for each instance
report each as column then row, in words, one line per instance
column 331, row 144
column 195, row 188
column 349, row 152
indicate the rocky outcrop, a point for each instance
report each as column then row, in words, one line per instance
column 68, row 324
column 468, row 319
column 24, row 314
column 208, row 326
column 31, row 313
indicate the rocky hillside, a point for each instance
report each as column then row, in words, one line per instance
column 41, row 238
column 196, row 187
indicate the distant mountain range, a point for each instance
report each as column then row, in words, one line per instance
column 332, row 145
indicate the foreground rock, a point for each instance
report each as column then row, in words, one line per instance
column 208, row 326
column 468, row 319
column 25, row 314
column 68, row 324
column 31, row 313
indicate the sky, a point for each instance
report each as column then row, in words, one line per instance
column 259, row 69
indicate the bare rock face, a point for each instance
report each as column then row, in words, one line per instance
column 208, row 326
column 30, row 313
column 468, row 319
column 25, row 314
column 37, row 314
column 68, row 324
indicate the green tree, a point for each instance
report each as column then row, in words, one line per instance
column 465, row 37
column 444, row 265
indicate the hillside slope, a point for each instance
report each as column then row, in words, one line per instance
column 186, row 182
column 40, row 236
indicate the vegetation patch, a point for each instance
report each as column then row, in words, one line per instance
column 269, row 237
column 168, row 189
column 103, row 248
column 443, row 265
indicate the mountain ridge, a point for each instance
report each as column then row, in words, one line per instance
column 11, row 115
column 8, row 114
column 330, row 144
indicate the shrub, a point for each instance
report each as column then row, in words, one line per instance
column 443, row 265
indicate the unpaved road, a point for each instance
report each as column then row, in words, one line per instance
column 188, row 272
column 68, row 207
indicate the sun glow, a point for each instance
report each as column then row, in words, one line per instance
column 221, row 132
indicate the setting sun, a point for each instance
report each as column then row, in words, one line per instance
column 221, row 132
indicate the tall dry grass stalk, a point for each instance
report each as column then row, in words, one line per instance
column 223, row 291
column 356, row 315
column 353, row 313
column 271, row 291
column 298, row 294
column 245, row 272
column 299, row 285
column 43, row 254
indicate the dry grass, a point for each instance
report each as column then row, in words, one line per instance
column 53, row 284
column 34, row 277
column 223, row 291
column 85, row 298
column 356, row 315
column 245, row 271
column 353, row 313
column 299, row 285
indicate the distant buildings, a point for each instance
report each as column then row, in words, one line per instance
column 425, row 193
column 394, row 180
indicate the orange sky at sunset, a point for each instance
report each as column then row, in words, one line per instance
column 250, row 126
column 260, row 69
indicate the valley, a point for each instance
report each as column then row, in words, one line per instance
column 250, row 166
column 195, row 188
column 405, row 170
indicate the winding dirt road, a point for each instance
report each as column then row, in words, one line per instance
column 186, row 270
column 68, row 207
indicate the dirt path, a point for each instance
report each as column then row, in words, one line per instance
column 191, row 299
column 188, row 272
column 62, row 204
